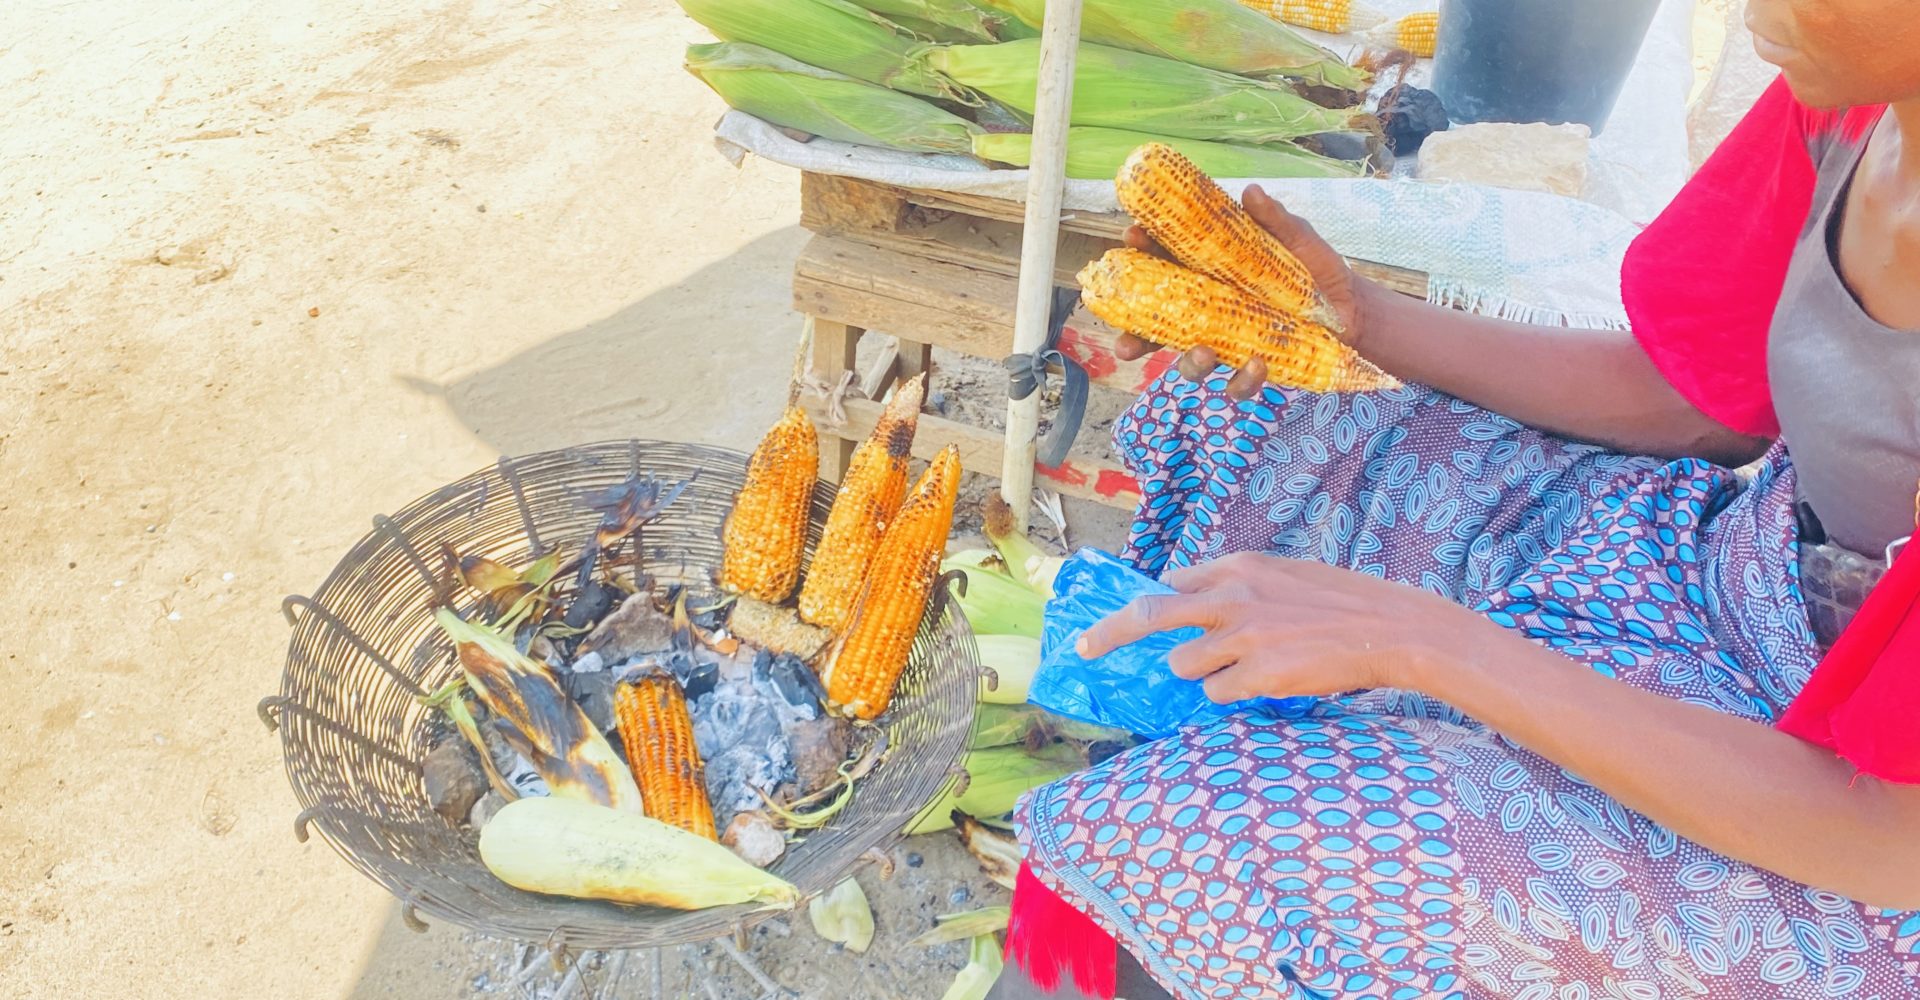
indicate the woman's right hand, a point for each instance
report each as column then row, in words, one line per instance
column 1342, row 289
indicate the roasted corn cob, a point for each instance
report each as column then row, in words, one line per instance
column 866, row 661
column 1205, row 229
column 657, row 731
column 869, row 496
column 1333, row 16
column 766, row 534
column 1163, row 302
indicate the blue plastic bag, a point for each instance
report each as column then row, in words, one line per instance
column 1130, row 688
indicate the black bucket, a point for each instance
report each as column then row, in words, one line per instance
column 1550, row 61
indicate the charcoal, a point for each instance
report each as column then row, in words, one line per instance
column 795, row 682
column 594, row 693
column 1409, row 115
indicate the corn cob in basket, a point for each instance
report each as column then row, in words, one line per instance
column 657, row 732
column 766, row 534
column 869, row 497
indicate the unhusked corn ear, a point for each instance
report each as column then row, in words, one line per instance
column 867, row 660
column 766, row 534
column 1334, row 16
column 868, row 499
column 1205, row 229
column 1161, row 301
column 1417, row 33
column 657, row 731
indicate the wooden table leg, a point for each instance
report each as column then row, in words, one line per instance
column 835, row 346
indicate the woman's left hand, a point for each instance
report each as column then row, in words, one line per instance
column 1276, row 627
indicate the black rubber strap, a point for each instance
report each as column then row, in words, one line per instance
column 1027, row 374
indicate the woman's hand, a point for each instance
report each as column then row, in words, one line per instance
column 1276, row 628
column 1342, row 289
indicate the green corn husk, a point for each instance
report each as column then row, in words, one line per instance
column 1096, row 154
column 768, row 85
column 832, row 34
column 949, row 20
column 1218, row 34
column 1115, row 88
column 998, row 776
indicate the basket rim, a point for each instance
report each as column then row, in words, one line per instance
column 647, row 923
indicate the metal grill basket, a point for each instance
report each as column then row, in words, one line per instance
column 365, row 645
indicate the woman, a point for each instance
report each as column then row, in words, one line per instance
column 1592, row 756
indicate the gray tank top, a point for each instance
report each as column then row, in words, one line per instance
column 1845, row 387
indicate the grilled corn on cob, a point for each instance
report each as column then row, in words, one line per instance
column 538, row 719
column 869, row 497
column 657, row 731
column 1418, row 33
column 1205, row 229
column 866, row 661
column 766, row 534
column 1333, row 16
column 1163, row 302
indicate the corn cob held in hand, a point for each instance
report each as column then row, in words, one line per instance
column 1205, row 229
column 1333, row 16
column 1161, row 301
column 657, row 731
column 868, row 499
column 866, row 661
column 766, row 534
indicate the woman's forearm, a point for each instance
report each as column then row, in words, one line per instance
column 1589, row 385
column 1735, row 787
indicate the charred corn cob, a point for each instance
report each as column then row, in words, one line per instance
column 1163, row 302
column 657, row 731
column 1205, row 229
column 1334, row 16
column 869, row 496
column 867, row 660
column 766, row 534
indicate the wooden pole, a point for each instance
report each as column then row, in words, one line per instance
column 1040, row 239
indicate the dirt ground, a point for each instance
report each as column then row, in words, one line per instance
column 265, row 271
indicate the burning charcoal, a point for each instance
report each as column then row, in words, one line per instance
column 1409, row 115
column 795, row 681
column 594, row 693
column 698, row 678
column 634, row 629
column 593, row 602
column 746, row 751
column 453, row 779
column 820, row 746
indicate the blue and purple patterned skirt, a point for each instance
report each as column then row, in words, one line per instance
column 1386, row 846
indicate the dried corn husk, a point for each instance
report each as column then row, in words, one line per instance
column 1115, row 88
column 1097, row 153
column 843, row 916
column 1217, row 34
column 831, row 34
column 768, row 85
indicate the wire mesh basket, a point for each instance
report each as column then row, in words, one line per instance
column 365, row 647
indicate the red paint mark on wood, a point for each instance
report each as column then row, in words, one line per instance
column 1112, row 483
column 1155, row 366
column 1098, row 360
column 1065, row 472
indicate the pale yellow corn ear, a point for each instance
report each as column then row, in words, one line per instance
column 766, row 534
column 1417, row 33
column 1170, row 305
column 868, row 499
column 1206, row 230
column 657, row 732
column 1332, row 16
column 867, row 660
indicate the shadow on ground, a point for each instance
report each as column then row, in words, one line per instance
column 700, row 361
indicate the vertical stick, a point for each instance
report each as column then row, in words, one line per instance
column 1040, row 239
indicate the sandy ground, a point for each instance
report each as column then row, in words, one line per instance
column 267, row 270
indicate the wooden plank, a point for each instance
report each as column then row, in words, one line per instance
column 985, row 232
column 981, row 450
column 946, row 305
column 835, row 347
